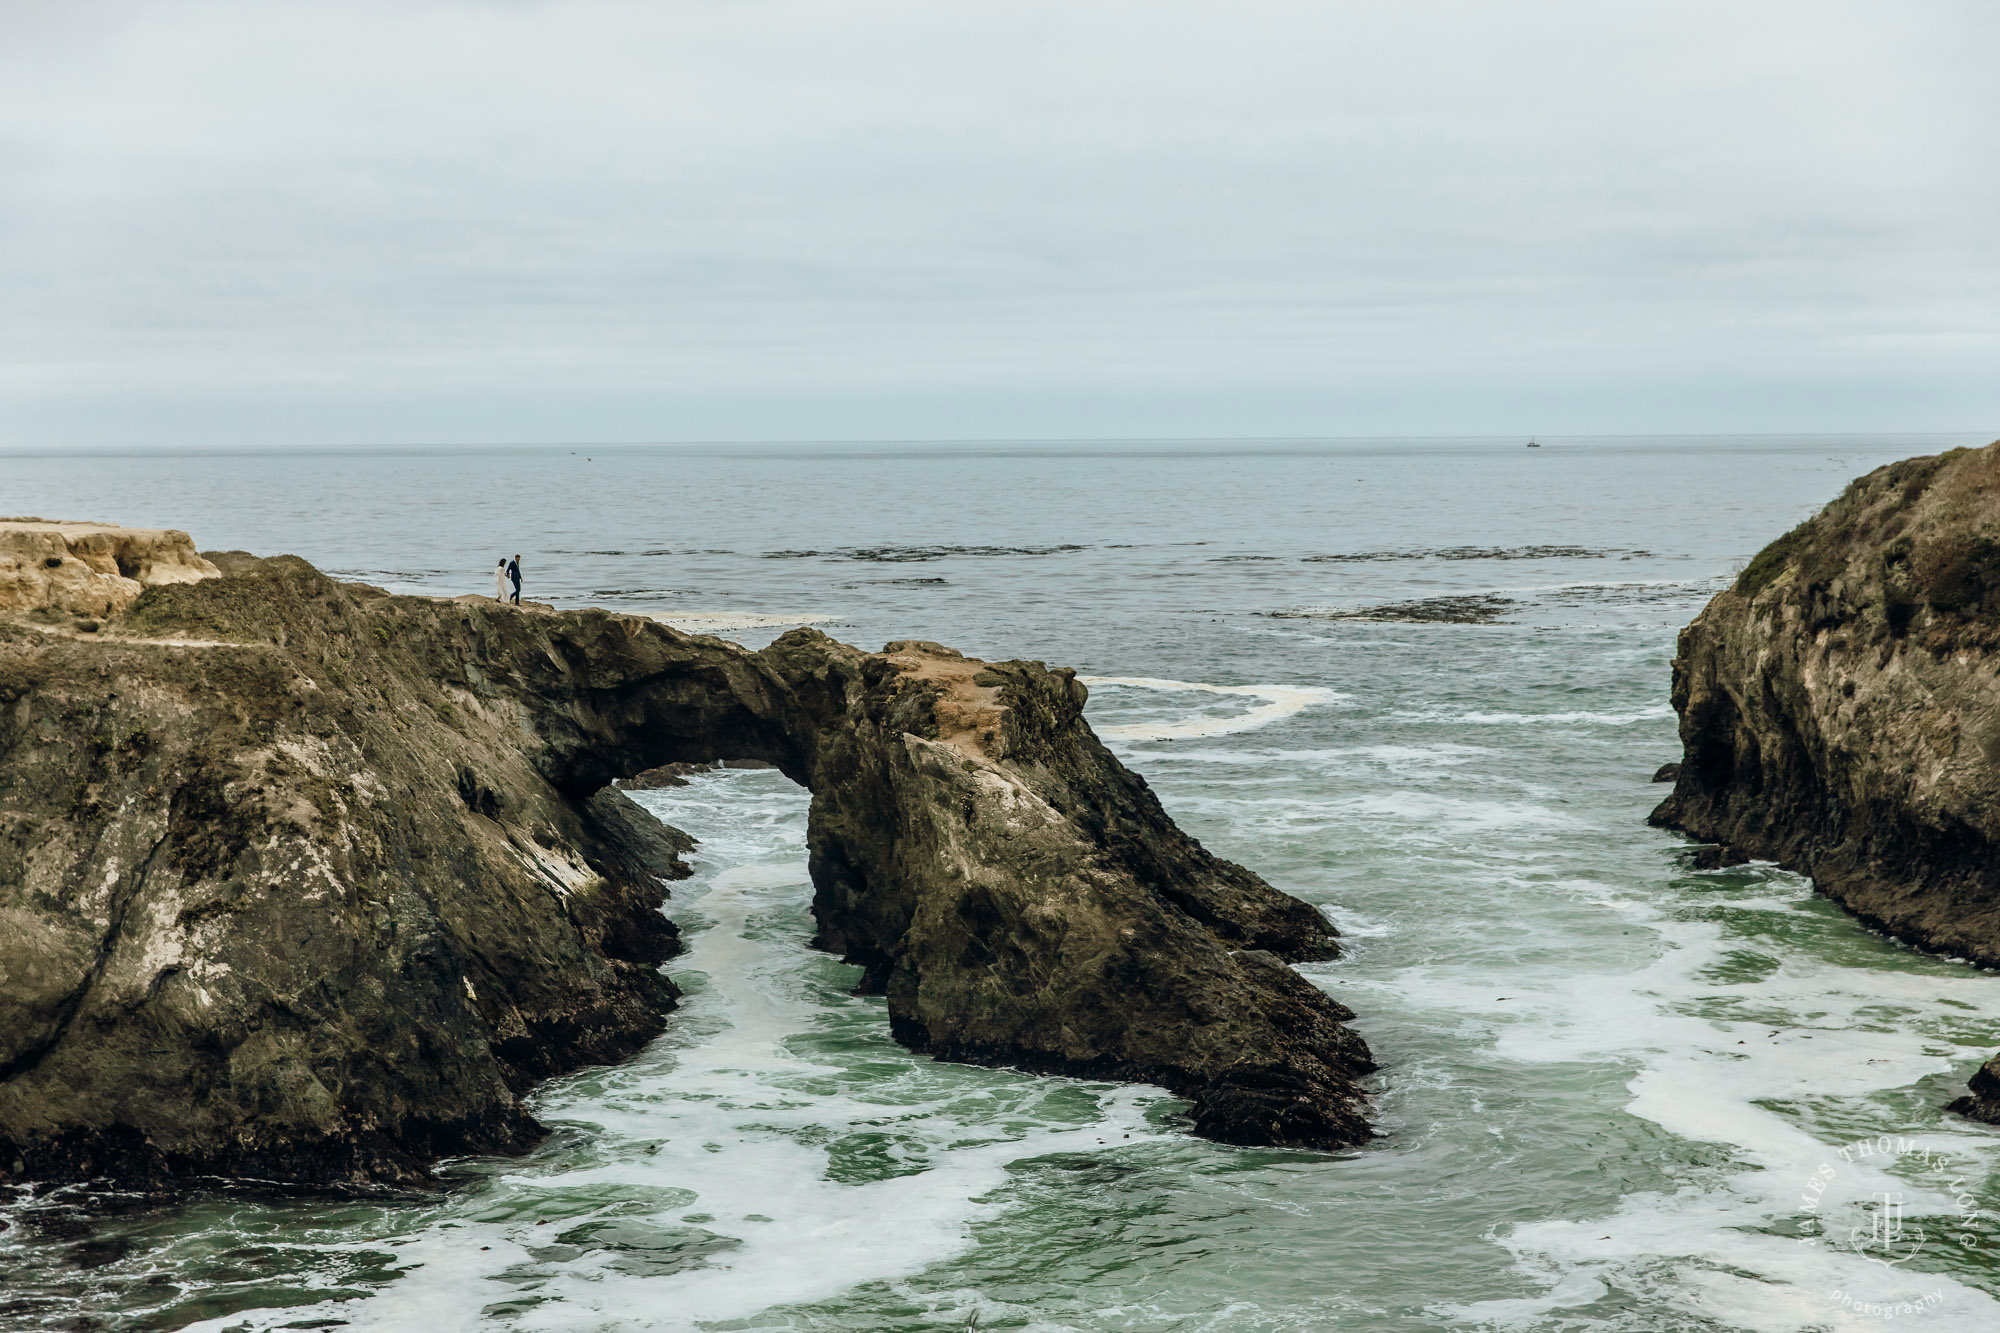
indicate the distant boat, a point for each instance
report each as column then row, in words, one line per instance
column 1533, row 445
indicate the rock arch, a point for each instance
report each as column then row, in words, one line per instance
column 350, row 862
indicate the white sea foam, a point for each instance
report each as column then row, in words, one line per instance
column 1713, row 1249
column 1481, row 718
column 1456, row 814
column 728, row 1128
column 1278, row 702
column 1399, row 817
column 1353, row 924
column 1392, row 757
column 717, row 622
column 1693, row 585
column 741, row 1140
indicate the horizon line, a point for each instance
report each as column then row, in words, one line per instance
column 459, row 446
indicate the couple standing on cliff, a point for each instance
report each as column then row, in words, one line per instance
column 507, row 571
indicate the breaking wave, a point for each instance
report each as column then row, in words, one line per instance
column 715, row 622
column 1278, row 702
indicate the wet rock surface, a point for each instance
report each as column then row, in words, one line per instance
column 1840, row 709
column 1983, row 1101
column 305, row 881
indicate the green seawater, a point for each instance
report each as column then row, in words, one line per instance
column 1609, row 1080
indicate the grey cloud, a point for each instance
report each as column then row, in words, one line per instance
column 308, row 223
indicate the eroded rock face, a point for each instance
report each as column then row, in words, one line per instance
column 302, row 880
column 1023, row 900
column 1840, row 707
column 272, row 903
column 89, row 570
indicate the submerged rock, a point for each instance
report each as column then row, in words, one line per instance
column 1482, row 608
column 1840, row 707
column 302, row 880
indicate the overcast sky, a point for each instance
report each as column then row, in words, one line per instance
column 776, row 219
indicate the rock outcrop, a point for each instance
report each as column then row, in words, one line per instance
column 1840, row 709
column 1983, row 1101
column 302, row 880
column 59, row 571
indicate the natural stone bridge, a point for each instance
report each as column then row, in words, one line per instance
column 301, row 879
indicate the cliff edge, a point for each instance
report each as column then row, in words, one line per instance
column 302, row 880
column 1840, row 709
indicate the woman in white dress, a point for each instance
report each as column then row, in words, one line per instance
column 500, row 580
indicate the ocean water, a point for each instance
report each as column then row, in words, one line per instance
column 1609, row 1082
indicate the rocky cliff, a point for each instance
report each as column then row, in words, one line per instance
column 1840, row 709
column 60, row 572
column 302, row 880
